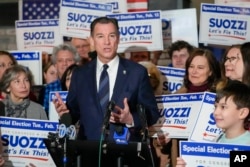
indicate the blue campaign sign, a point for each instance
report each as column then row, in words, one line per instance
column 53, row 115
column 26, row 55
column 203, row 149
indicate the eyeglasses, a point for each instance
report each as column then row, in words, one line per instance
column 6, row 65
column 82, row 46
column 231, row 59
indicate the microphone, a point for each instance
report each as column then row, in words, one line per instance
column 142, row 115
column 109, row 109
column 121, row 134
column 65, row 129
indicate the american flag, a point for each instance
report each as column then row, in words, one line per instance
column 49, row 9
column 40, row 9
column 137, row 5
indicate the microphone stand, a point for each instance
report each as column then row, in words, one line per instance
column 145, row 132
column 105, row 131
column 65, row 159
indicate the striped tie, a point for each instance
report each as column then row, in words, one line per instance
column 104, row 88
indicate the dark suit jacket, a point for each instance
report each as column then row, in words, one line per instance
column 132, row 81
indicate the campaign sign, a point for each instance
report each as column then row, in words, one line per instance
column 224, row 25
column 172, row 78
column 22, row 141
column 119, row 6
column 40, row 35
column 198, row 154
column 180, row 24
column 234, row 2
column 33, row 61
column 205, row 128
column 178, row 114
column 53, row 115
column 139, row 31
column 76, row 16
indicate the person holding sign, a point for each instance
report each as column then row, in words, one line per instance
column 140, row 56
column 236, row 65
column 63, row 56
column 66, row 77
column 179, row 52
column 16, row 83
column 83, row 48
column 232, row 114
column 202, row 74
column 6, row 61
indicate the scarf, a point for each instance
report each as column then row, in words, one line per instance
column 16, row 110
column 194, row 89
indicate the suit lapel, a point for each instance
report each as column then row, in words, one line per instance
column 91, row 76
column 120, row 79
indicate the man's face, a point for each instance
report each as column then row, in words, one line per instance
column 82, row 46
column 105, row 38
column 179, row 58
column 140, row 56
column 63, row 60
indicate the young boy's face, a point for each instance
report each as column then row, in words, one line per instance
column 226, row 114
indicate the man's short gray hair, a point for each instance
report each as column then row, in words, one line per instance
column 67, row 47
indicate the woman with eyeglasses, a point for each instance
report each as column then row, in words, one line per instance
column 235, row 65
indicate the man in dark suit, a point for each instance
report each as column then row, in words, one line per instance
column 129, row 86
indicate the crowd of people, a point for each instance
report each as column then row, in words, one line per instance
column 77, row 67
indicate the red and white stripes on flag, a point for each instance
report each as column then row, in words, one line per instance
column 137, row 5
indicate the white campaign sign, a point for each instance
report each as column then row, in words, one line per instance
column 119, row 6
column 22, row 141
column 198, row 154
column 53, row 115
column 172, row 78
column 224, row 25
column 205, row 128
column 139, row 31
column 76, row 17
column 178, row 113
column 180, row 24
column 40, row 35
column 31, row 60
column 233, row 2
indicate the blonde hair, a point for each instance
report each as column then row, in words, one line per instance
column 154, row 73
